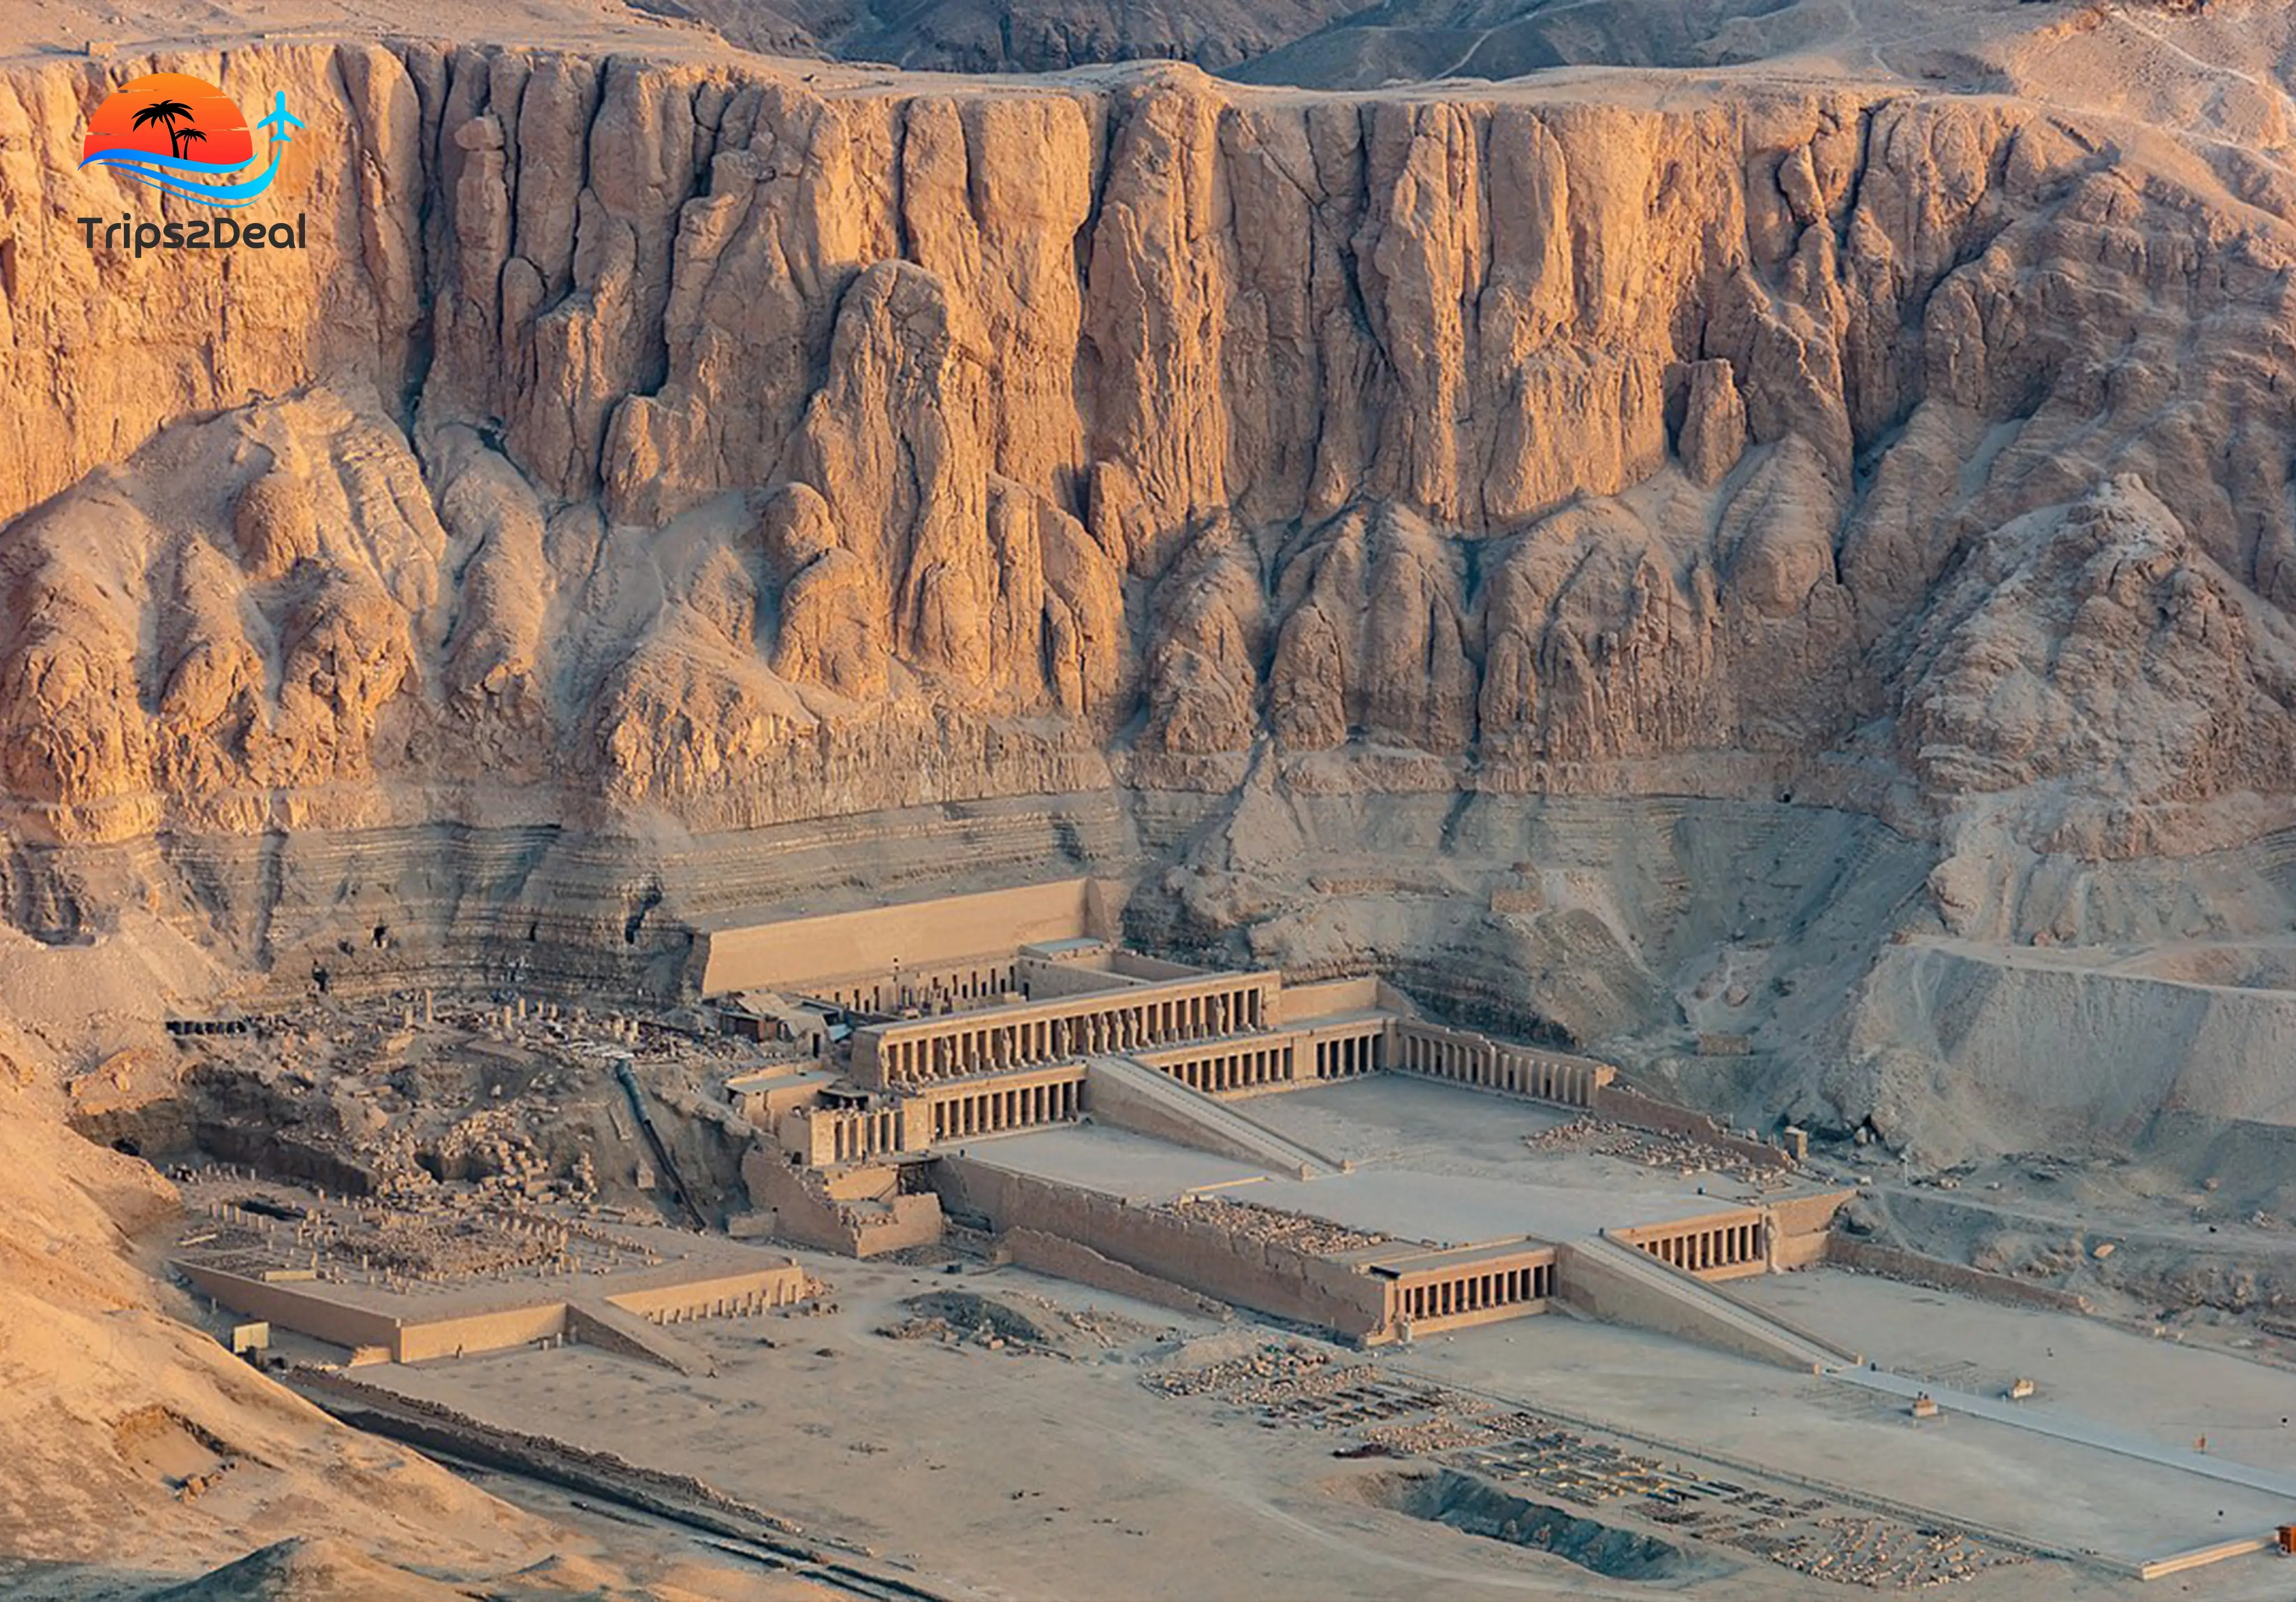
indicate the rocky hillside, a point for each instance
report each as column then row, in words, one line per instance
column 1342, row 45
column 743, row 445
column 1012, row 36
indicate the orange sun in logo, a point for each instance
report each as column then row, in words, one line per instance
column 172, row 114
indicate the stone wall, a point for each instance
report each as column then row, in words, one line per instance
column 1041, row 980
column 307, row 1312
column 325, row 1317
column 1622, row 1106
column 1046, row 1253
column 1163, row 1242
column 1914, row 1267
column 1331, row 997
column 470, row 1333
column 1800, row 1228
column 790, row 954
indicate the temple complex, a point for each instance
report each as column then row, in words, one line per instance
column 1003, row 1059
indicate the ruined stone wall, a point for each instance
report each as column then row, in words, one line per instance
column 308, row 1313
column 1622, row 1105
column 1162, row 1242
column 1065, row 1259
column 1915, row 1268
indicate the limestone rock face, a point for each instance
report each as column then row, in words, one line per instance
column 2069, row 630
column 1210, row 634
column 1374, row 640
column 890, row 443
column 1020, row 36
column 637, row 435
column 1714, row 427
column 830, row 632
column 275, row 525
column 71, row 729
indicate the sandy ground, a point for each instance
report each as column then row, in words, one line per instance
column 2084, row 1368
column 2045, row 1490
column 995, row 1473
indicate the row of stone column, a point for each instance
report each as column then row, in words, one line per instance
column 989, row 1111
column 926, row 987
column 724, row 1307
column 965, row 1047
column 1725, row 1247
column 1548, row 1079
column 853, row 1136
column 1235, row 1069
column 1439, row 1058
column 1473, row 1293
column 1347, row 1056
column 1495, row 1068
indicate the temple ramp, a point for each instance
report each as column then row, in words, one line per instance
column 595, row 1321
column 1624, row 1285
column 1129, row 1095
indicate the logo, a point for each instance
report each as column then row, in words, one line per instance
column 183, row 136
column 175, row 132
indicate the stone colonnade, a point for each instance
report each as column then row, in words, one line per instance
column 1710, row 1246
column 1278, row 1060
column 1470, row 1059
column 856, row 1134
column 820, row 1135
column 1247, row 1068
column 746, row 1306
column 1350, row 1055
column 974, row 979
column 1481, row 1290
column 921, row 1050
column 992, row 1108
column 1229, row 1065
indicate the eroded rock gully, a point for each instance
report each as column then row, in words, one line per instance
column 660, row 440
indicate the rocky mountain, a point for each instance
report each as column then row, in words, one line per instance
column 1011, row 35
column 698, row 440
column 1340, row 44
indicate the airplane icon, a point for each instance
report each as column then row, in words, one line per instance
column 281, row 119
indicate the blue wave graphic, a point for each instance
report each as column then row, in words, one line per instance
column 128, row 153
column 188, row 190
column 145, row 167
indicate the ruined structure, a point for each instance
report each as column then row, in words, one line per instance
column 865, row 1140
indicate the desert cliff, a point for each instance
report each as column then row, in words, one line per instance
column 704, row 440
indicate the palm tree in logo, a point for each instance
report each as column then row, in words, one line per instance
column 168, row 112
